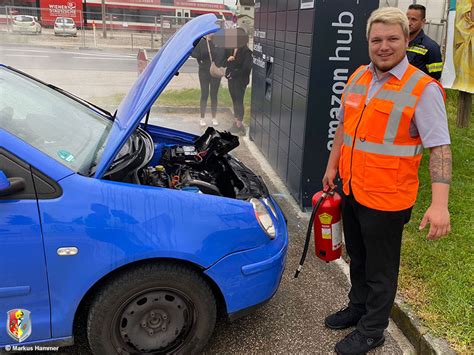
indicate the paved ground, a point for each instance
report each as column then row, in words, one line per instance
column 100, row 84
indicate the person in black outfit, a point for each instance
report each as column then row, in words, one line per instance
column 209, row 84
column 238, row 70
column 422, row 52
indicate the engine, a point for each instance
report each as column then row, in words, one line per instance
column 204, row 167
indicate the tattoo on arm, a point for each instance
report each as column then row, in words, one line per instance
column 440, row 164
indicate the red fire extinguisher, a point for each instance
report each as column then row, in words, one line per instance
column 326, row 218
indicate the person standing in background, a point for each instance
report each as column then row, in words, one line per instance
column 239, row 66
column 422, row 52
column 208, row 83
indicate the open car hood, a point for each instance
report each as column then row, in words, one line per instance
column 151, row 83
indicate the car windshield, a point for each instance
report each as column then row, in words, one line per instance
column 55, row 124
column 24, row 19
column 68, row 20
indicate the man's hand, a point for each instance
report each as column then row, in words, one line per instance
column 328, row 179
column 438, row 218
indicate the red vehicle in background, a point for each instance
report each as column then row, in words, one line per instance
column 120, row 14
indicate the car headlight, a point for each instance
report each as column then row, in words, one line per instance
column 263, row 217
column 270, row 206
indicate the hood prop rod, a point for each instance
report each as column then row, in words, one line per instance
column 146, row 119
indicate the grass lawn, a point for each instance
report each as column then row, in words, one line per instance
column 437, row 278
column 190, row 97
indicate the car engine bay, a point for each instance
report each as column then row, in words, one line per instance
column 202, row 167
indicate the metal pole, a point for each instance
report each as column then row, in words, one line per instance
column 111, row 17
column 8, row 19
column 104, row 22
column 161, row 28
column 83, row 29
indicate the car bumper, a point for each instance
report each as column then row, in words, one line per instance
column 25, row 29
column 249, row 278
column 65, row 32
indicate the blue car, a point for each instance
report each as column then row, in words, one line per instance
column 137, row 234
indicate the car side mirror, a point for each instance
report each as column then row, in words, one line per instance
column 10, row 186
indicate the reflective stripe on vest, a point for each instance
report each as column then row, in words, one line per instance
column 401, row 100
column 355, row 88
column 385, row 149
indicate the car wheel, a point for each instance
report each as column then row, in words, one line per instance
column 157, row 308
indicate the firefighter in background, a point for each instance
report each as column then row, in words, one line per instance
column 423, row 52
column 390, row 110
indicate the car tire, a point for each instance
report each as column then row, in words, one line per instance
column 156, row 308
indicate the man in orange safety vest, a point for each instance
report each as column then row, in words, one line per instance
column 390, row 111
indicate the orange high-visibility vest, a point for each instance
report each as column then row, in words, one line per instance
column 379, row 159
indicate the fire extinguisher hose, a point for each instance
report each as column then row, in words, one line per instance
column 308, row 233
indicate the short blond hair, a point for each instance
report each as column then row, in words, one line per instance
column 390, row 16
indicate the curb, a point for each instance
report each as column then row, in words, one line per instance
column 402, row 314
column 424, row 343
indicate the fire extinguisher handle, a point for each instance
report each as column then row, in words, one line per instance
column 328, row 190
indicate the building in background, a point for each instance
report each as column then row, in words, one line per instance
column 245, row 14
column 121, row 14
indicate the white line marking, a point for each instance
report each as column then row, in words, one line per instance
column 27, row 55
column 99, row 54
column 107, row 58
column 63, row 52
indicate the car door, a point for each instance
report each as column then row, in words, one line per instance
column 23, row 275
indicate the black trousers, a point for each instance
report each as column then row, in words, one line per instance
column 211, row 85
column 237, row 93
column 373, row 241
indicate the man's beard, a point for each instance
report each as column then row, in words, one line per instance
column 385, row 68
